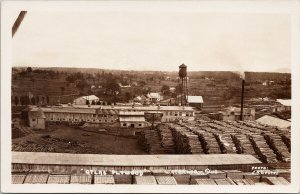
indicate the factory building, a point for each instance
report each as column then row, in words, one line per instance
column 114, row 114
column 130, row 119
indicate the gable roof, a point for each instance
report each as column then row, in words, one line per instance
column 194, row 99
column 90, row 97
column 38, row 113
column 272, row 121
column 153, row 95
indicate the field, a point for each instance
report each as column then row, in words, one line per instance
column 64, row 139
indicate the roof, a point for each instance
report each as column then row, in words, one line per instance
column 132, row 160
column 92, row 109
column 131, row 113
column 37, row 113
column 132, row 119
column 195, row 99
column 90, row 97
column 272, row 121
column 285, row 102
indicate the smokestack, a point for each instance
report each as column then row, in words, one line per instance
column 242, row 100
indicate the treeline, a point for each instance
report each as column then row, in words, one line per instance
column 27, row 100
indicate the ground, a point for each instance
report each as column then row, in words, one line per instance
column 64, row 139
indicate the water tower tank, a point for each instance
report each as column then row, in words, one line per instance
column 182, row 70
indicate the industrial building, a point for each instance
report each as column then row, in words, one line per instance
column 195, row 101
column 113, row 114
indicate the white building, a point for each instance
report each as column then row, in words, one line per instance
column 82, row 100
column 195, row 101
column 154, row 97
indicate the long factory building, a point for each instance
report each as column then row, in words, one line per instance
column 126, row 116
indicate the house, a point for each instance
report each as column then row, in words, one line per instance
column 83, row 99
column 36, row 119
column 154, row 97
column 273, row 121
column 195, row 101
column 233, row 114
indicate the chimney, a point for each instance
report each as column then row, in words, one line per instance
column 242, row 100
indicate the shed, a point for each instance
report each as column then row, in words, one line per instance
column 36, row 119
column 195, row 101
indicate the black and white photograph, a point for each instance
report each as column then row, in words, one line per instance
column 141, row 94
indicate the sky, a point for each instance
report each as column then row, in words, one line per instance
column 154, row 41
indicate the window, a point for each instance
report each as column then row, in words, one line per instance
column 140, row 125
column 33, row 119
column 94, row 115
column 124, row 124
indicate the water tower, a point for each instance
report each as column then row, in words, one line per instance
column 183, row 84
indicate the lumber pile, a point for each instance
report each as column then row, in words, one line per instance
column 186, row 141
column 262, row 148
column 150, row 142
column 166, row 139
column 243, row 144
column 276, row 144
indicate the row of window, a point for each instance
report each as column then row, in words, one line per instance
column 78, row 120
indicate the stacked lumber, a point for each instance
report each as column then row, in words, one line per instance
column 209, row 142
column 166, row 180
column 227, row 144
column 150, row 142
column 123, row 179
column 186, row 141
column 234, row 174
column 205, row 182
column 287, row 140
column 81, row 179
column 58, row 179
column 276, row 181
column 262, row 149
column 243, row 144
column 243, row 181
column 276, row 144
column 166, row 139
column 225, row 181
column 18, row 178
column 217, row 175
column 144, row 180
column 36, row 178
column 182, row 179
column 98, row 179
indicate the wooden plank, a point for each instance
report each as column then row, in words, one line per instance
column 18, row 178
column 144, row 180
column 205, row 182
column 109, row 179
column 36, row 178
column 165, row 180
column 182, row 179
column 81, row 179
column 123, row 179
column 276, row 181
column 58, row 179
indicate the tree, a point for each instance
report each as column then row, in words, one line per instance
column 93, row 102
column 48, row 100
column 128, row 96
column 29, row 69
column 43, row 99
column 22, row 100
column 165, row 90
column 16, row 100
column 37, row 99
column 33, row 100
column 98, row 103
column 87, row 102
